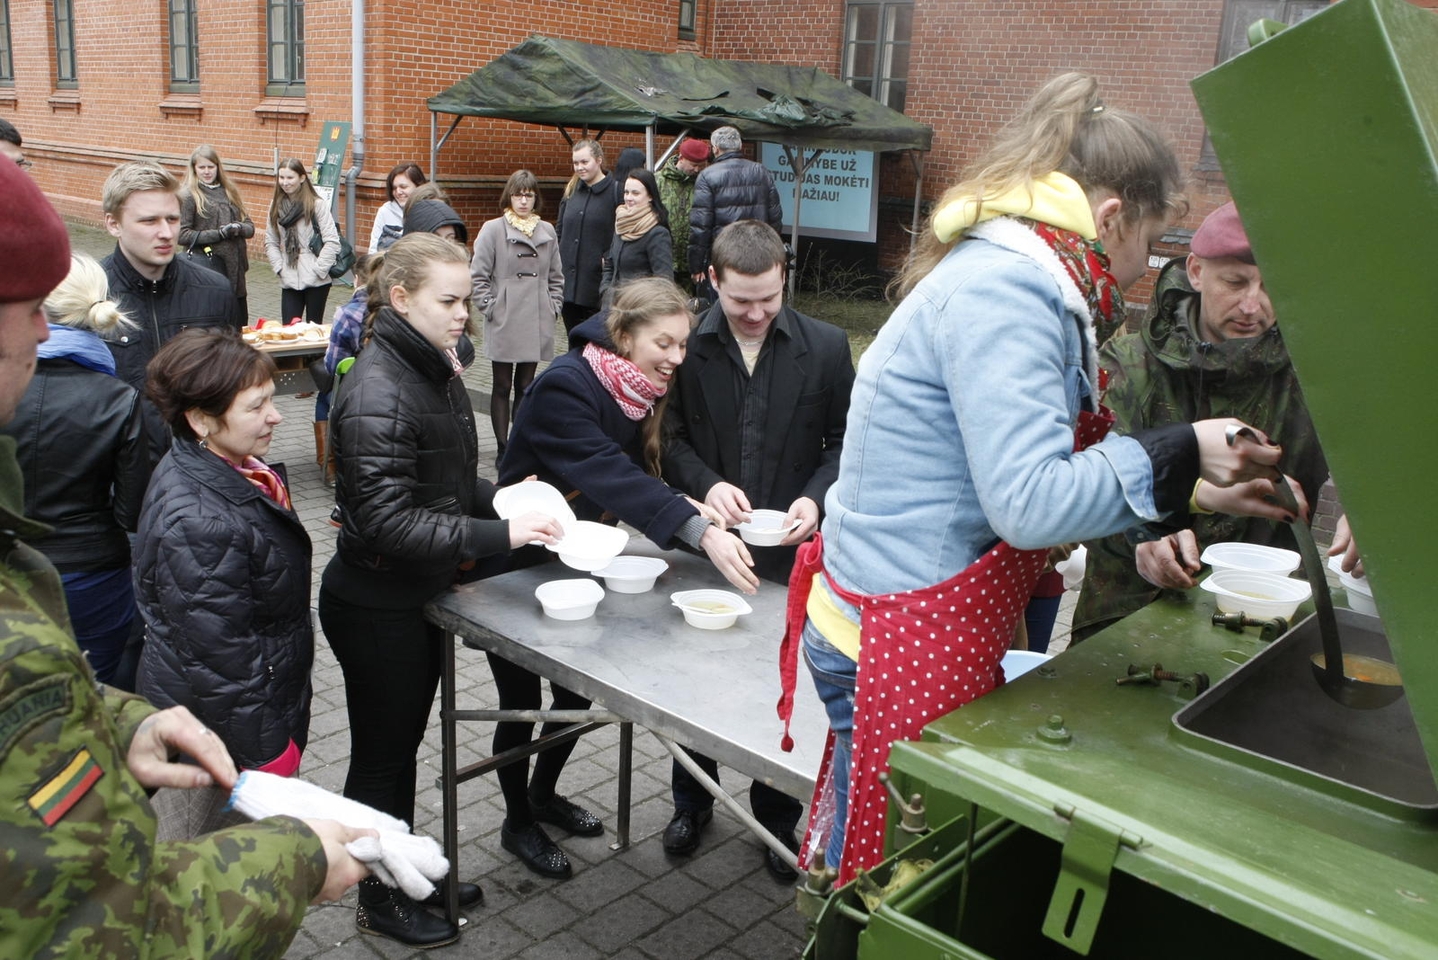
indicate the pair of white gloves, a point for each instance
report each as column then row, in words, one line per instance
column 397, row 857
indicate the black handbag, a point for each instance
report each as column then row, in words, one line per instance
column 206, row 256
column 344, row 261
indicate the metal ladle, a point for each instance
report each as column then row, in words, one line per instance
column 1356, row 681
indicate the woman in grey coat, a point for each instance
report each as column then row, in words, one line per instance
column 519, row 286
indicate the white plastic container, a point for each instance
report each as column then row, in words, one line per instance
column 1360, row 592
column 710, row 609
column 569, row 599
column 1250, row 556
column 632, row 574
column 764, row 528
column 1260, row 595
column 589, row 546
column 1016, row 663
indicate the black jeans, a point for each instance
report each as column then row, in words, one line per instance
column 391, row 665
column 775, row 810
column 519, row 690
column 574, row 314
column 308, row 303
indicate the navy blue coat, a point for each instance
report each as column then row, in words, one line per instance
column 570, row 433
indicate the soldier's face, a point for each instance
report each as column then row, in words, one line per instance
column 1233, row 303
column 22, row 329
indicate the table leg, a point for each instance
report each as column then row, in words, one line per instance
column 626, row 771
column 449, row 763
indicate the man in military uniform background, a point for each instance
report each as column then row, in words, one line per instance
column 1208, row 348
column 82, row 873
column 676, row 192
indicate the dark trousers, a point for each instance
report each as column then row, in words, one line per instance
column 308, row 303
column 574, row 314
column 519, row 690
column 775, row 810
column 391, row 665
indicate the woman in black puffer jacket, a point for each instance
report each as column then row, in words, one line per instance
column 412, row 501
column 222, row 569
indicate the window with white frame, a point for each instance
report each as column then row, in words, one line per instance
column 877, row 34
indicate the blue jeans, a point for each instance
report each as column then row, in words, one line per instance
column 834, row 676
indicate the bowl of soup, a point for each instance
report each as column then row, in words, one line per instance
column 710, row 609
column 1260, row 595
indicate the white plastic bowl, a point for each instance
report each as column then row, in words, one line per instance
column 511, row 501
column 1359, row 590
column 569, row 599
column 589, row 546
column 710, row 609
column 632, row 574
column 1016, row 663
column 1260, row 595
column 764, row 528
column 1250, row 556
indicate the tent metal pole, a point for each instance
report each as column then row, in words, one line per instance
column 436, row 145
column 801, row 170
column 648, row 147
column 917, row 159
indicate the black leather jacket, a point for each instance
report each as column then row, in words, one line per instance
column 408, row 482
column 730, row 189
column 81, row 448
column 222, row 578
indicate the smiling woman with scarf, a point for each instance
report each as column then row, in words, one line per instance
column 296, row 215
column 642, row 245
column 79, row 441
column 974, row 435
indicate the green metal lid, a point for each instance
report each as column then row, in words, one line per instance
column 1328, row 134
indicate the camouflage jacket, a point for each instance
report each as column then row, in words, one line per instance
column 676, row 192
column 1166, row 374
column 83, row 874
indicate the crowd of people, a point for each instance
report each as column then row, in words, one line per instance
column 168, row 559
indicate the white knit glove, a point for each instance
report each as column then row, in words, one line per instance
column 397, row 857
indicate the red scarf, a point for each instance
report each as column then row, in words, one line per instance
column 629, row 387
column 1088, row 267
column 268, row 482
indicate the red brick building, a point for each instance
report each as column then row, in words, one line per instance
column 93, row 82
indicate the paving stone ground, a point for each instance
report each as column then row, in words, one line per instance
column 634, row 904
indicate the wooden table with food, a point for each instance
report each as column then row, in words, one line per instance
column 293, row 348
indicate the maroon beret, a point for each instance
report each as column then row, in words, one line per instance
column 1221, row 235
column 695, row 151
column 34, row 244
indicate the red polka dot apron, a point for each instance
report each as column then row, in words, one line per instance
column 923, row 653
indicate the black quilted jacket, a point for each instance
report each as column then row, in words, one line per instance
column 222, row 577
column 730, row 189
column 408, row 482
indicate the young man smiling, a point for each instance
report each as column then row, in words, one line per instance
column 755, row 421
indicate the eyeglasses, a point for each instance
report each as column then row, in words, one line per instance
column 24, row 164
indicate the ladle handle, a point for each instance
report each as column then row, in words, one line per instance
column 1314, row 570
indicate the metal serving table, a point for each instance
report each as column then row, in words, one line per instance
column 636, row 658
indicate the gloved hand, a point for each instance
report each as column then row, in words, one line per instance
column 397, row 857
column 231, row 230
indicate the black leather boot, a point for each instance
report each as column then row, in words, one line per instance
column 390, row 913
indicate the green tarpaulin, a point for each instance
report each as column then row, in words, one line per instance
column 568, row 83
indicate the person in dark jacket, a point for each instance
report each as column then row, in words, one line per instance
column 756, row 422
column 428, row 212
column 162, row 293
column 589, row 425
column 222, row 570
column 730, row 189
column 214, row 225
column 585, row 227
column 80, row 442
column 642, row 245
column 413, row 509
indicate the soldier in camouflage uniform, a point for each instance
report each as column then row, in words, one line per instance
column 1215, row 353
column 676, row 192
column 82, row 873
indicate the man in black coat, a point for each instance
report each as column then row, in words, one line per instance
column 161, row 292
column 755, row 421
column 730, row 189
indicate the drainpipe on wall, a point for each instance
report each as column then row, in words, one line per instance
column 357, row 116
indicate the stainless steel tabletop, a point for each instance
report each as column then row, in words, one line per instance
column 712, row 690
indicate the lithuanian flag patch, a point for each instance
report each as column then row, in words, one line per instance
column 53, row 800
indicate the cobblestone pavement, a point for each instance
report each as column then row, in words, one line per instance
column 628, row 905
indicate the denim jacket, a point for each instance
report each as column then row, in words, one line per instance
column 960, row 429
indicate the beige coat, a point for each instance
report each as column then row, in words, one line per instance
column 519, row 286
column 310, row 270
